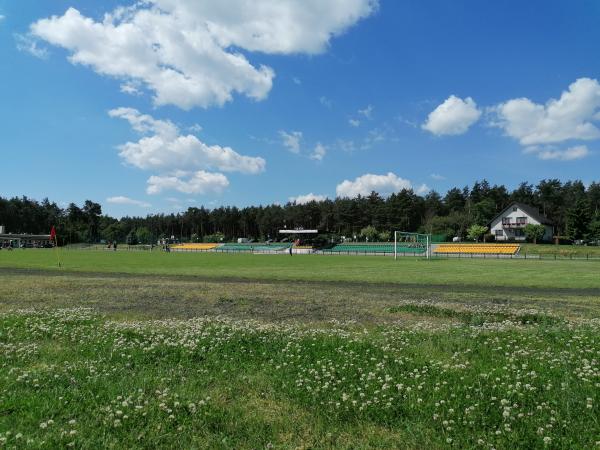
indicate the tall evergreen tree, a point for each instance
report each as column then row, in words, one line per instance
column 578, row 220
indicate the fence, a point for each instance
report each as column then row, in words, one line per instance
column 520, row 255
column 523, row 255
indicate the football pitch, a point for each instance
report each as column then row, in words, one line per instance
column 576, row 274
column 148, row 350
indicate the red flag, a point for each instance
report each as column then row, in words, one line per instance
column 53, row 234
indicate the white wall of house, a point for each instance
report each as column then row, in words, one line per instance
column 510, row 224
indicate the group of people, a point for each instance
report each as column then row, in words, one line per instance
column 112, row 245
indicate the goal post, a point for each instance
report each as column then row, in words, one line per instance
column 406, row 242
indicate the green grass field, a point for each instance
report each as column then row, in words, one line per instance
column 562, row 251
column 154, row 350
column 478, row 272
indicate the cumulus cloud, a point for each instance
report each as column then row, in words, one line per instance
column 200, row 182
column 163, row 148
column 319, row 152
column 291, row 140
column 365, row 184
column 185, row 51
column 453, row 117
column 550, row 153
column 572, row 116
column 122, row 200
column 354, row 122
column 437, row 176
column 303, row 199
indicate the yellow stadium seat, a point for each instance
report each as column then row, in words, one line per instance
column 494, row 249
column 193, row 246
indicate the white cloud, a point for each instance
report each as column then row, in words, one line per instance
column 422, row 189
column 405, row 121
column 131, row 87
column 297, row 80
column 354, row 122
column 200, row 182
column 184, row 51
column 327, row 103
column 303, row 199
column 27, row 43
column 291, row 140
column 374, row 136
column 121, row 200
column 163, row 148
column 452, row 117
column 319, row 152
column 572, row 116
column 437, row 176
column 550, row 153
column 365, row 184
column 367, row 112
column 346, row 146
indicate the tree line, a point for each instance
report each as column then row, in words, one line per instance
column 573, row 207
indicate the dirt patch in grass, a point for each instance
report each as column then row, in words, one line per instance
column 141, row 296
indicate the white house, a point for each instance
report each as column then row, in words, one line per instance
column 509, row 224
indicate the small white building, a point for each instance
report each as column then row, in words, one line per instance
column 509, row 224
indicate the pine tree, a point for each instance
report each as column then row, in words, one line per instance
column 578, row 220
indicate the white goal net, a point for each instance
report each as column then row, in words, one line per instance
column 406, row 243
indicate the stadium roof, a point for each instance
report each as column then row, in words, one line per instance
column 298, row 231
column 33, row 237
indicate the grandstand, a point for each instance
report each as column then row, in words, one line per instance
column 356, row 248
column 193, row 247
column 477, row 249
column 376, row 248
column 249, row 247
column 230, row 247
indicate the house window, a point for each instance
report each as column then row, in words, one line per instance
column 499, row 233
column 506, row 221
column 514, row 209
column 521, row 220
column 519, row 233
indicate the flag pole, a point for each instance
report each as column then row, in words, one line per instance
column 57, row 252
column 53, row 235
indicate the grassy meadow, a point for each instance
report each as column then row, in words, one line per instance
column 140, row 350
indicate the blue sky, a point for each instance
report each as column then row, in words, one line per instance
column 328, row 98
